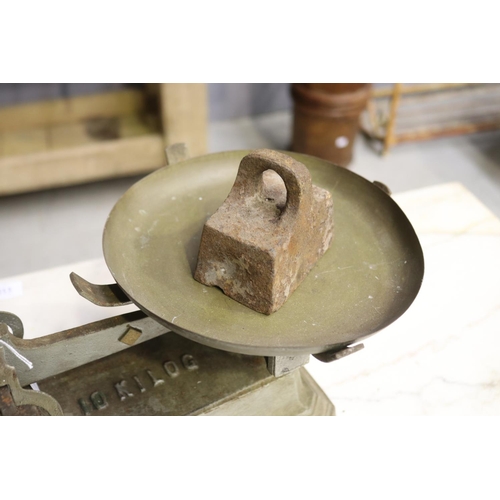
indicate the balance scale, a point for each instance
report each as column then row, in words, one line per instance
column 192, row 350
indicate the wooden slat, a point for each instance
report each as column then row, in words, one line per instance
column 447, row 131
column 427, row 122
column 451, row 97
column 81, row 164
column 23, row 142
column 419, row 88
column 473, row 105
column 68, row 136
column 134, row 126
column 70, row 154
column 61, row 111
column 184, row 115
column 447, row 110
column 390, row 138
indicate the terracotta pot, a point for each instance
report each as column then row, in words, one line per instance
column 326, row 119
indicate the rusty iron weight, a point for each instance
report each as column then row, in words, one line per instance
column 268, row 234
column 366, row 280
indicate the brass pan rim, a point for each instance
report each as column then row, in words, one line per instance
column 368, row 278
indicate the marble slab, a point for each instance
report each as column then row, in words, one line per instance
column 442, row 357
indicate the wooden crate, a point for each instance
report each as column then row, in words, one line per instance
column 88, row 138
column 401, row 113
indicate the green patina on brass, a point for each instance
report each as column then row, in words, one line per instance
column 171, row 375
column 369, row 277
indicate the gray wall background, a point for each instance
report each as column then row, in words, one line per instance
column 234, row 100
column 226, row 100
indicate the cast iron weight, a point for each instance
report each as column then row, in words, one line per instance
column 266, row 237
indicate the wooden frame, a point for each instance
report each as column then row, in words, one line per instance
column 430, row 111
column 88, row 138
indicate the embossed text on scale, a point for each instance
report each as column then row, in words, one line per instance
column 128, row 388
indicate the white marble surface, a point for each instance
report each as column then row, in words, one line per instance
column 442, row 357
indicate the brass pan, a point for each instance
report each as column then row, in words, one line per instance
column 365, row 281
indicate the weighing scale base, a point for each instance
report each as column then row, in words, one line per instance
column 171, row 375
